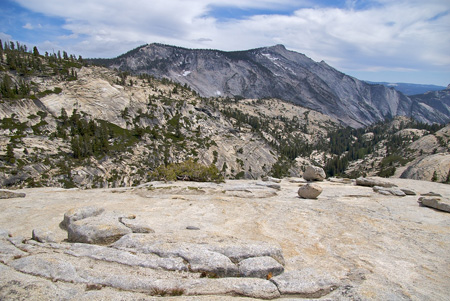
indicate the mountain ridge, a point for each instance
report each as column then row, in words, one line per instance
column 275, row 72
column 409, row 89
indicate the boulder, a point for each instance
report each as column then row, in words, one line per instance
column 436, row 203
column 371, row 182
column 76, row 214
column 9, row 194
column 314, row 173
column 43, row 236
column 100, row 229
column 408, row 191
column 260, row 267
column 309, row 191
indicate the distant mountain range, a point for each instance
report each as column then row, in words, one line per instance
column 275, row 72
column 409, row 89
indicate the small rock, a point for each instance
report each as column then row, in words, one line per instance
column 270, row 185
column 436, row 203
column 43, row 236
column 9, row 194
column 192, row 228
column 271, row 179
column 388, row 191
column 260, row 267
column 396, row 191
column 373, row 182
column 431, row 193
column 408, row 191
column 314, row 173
column 309, row 191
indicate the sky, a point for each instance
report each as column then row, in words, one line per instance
column 377, row 40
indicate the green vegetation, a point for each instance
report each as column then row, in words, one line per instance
column 349, row 144
column 24, row 63
column 187, row 171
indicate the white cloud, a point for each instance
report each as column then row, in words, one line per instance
column 403, row 34
column 28, row 26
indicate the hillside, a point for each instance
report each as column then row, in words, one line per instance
column 275, row 72
column 67, row 124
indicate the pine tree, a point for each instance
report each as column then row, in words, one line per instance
column 35, row 51
column 434, row 178
column 10, row 158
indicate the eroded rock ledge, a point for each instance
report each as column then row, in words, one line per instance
column 151, row 264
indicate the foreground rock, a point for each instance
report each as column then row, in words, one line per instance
column 9, row 194
column 436, row 203
column 309, row 191
column 139, row 263
column 314, row 173
column 343, row 247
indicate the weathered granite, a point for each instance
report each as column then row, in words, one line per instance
column 309, row 191
column 436, row 203
column 100, row 229
column 76, row 214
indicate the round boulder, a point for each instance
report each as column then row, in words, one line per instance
column 314, row 173
column 309, row 191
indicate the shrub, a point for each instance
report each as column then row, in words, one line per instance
column 187, row 171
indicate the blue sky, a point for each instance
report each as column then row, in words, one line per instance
column 378, row 40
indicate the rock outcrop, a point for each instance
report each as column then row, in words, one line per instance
column 430, row 168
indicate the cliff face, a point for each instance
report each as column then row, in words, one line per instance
column 275, row 72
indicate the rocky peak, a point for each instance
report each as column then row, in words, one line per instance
column 275, row 72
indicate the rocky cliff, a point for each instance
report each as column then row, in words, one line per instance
column 275, row 72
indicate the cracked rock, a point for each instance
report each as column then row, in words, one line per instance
column 260, row 267
column 307, row 283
